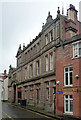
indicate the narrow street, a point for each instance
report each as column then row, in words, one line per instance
column 14, row 112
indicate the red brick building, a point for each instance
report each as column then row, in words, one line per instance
column 68, row 77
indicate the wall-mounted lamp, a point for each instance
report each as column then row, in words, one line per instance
column 77, row 76
column 58, row 82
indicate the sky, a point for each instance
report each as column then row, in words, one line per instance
column 21, row 21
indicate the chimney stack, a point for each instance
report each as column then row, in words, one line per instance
column 72, row 13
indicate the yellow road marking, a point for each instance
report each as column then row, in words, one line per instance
column 34, row 112
column 8, row 116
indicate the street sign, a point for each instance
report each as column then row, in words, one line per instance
column 59, row 92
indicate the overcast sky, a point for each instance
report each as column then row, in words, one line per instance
column 21, row 21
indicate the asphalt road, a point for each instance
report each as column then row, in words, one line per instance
column 17, row 113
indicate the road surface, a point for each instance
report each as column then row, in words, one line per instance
column 17, row 113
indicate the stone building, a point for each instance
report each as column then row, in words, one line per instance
column 34, row 78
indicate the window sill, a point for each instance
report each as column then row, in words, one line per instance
column 76, row 57
column 69, row 86
column 68, row 113
column 31, row 98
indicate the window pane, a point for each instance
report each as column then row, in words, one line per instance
column 66, row 105
column 37, row 67
column 51, row 61
column 71, row 96
column 75, row 50
column 66, row 96
column 71, row 78
column 47, row 93
column 79, row 51
column 71, row 69
column 71, row 105
column 46, row 37
column 79, row 44
column 46, row 63
column 66, row 69
column 66, row 78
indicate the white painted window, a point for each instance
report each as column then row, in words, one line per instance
column 77, row 50
column 51, row 61
column 46, row 38
column 51, row 35
column 68, row 103
column 38, row 68
column 46, row 63
column 68, row 76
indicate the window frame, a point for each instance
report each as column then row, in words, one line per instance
column 38, row 67
column 26, row 73
column 68, row 75
column 78, row 47
column 31, row 70
column 51, row 61
column 46, row 39
column 47, row 93
column 47, row 63
column 68, row 99
column 51, row 35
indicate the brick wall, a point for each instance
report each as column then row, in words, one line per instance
column 64, row 57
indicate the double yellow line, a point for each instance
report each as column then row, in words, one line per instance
column 29, row 111
column 8, row 116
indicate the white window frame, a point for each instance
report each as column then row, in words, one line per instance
column 68, row 76
column 47, row 63
column 51, row 61
column 76, row 50
column 68, row 99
